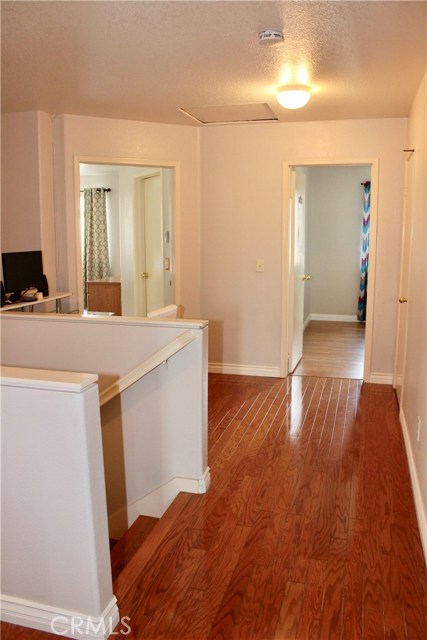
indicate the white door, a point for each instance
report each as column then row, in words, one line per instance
column 297, row 277
column 151, row 244
column 402, row 317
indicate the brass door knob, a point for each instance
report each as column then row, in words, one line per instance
column 144, row 275
column 402, row 300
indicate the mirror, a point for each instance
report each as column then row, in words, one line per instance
column 140, row 223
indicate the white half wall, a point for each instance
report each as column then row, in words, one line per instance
column 55, row 549
column 155, row 431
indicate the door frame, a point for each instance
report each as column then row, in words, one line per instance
column 294, row 252
column 128, row 162
column 287, row 302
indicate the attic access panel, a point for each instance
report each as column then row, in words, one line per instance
column 228, row 114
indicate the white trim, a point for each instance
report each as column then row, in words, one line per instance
column 373, row 163
column 62, row 622
column 244, row 370
column 46, row 380
column 127, row 320
column 380, row 378
column 418, row 499
column 274, row 372
column 332, row 317
column 156, row 502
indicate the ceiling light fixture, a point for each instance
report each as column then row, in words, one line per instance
column 293, row 96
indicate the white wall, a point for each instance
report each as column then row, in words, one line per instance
column 168, row 178
column 242, row 192
column 334, row 228
column 27, row 220
column 414, row 389
column 237, row 171
column 20, row 224
column 47, row 209
column 152, row 144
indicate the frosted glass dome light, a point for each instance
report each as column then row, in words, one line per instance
column 293, row 96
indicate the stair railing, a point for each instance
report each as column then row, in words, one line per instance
column 160, row 357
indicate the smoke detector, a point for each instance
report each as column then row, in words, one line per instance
column 270, row 36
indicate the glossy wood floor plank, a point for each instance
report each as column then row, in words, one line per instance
column 308, row 531
column 290, row 612
column 335, row 571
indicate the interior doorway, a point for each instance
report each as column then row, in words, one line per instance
column 128, row 244
column 321, row 271
column 332, row 350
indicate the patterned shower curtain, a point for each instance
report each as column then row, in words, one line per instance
column 364, row 257
column 96, row 263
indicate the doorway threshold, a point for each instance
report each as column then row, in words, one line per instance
column 333, row 350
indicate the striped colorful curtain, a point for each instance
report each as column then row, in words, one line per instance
column 96, row 263
column 364, row 254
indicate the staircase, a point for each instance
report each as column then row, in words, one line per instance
column 137, row 556
column 124, row 549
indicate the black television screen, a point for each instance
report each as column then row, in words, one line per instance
column 22, row 269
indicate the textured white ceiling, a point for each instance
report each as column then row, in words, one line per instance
column 143, row 60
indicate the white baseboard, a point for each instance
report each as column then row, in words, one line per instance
column 274, row 372
column 418, row 499
column 69, row 624
column 331, row 317
column 244, row 370
column 156, row 502
column 381, row 378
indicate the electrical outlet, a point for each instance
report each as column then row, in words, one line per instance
column 419, row 428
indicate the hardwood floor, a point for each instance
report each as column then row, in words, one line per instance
column 307, row 532
column 333, row 349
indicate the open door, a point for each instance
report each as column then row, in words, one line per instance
column 297, row 277
column 402, row 317
column 150, row 255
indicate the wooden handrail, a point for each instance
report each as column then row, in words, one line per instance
column 148, row 365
